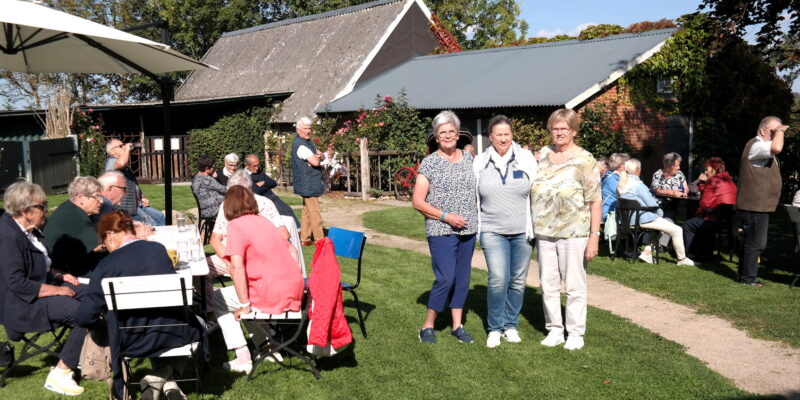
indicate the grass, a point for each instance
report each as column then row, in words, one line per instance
column 398, row 221
column 621, row 360
column 771, row 312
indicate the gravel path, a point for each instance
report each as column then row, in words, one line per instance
column 755, row 365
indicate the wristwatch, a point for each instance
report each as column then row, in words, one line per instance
column 595, row 233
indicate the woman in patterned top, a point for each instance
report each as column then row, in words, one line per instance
column 566, row 212
column 206, row 189
column 669, row 182
column 445, row 193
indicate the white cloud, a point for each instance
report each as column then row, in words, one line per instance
column 573, row 32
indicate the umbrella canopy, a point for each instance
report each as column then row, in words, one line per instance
column 37, row 39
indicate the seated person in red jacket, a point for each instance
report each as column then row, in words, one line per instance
column 716, row 188
column 264, row 270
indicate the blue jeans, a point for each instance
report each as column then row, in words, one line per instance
column 508, row 258
column 451, row 259
column 151, row 215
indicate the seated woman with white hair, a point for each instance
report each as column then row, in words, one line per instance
column 631, row 188
column 231, row 164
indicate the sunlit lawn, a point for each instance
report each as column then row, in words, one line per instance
column 620, row 361
column 771, row 312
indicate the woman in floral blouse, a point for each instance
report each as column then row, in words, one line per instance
column 669, row 182
column 566, row 208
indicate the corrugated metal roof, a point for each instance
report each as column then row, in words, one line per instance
column 313, row 59
column 546, row 74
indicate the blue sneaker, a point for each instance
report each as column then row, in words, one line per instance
column 427, row 335
column 461, row 335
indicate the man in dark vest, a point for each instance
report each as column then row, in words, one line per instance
column 759, row 193
column 307, row 178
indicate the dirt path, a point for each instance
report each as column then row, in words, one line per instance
column 755, row 365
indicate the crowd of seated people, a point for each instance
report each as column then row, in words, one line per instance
column 93, row 236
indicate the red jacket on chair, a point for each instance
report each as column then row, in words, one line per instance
column 328, row 324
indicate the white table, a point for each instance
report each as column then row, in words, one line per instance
column 169, row 236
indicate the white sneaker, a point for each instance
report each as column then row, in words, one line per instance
column 60, row 381
column 646, row 257
column 512, row 336
column 236, row 367
column 553, row 339
column 574, row 342
column 687, row 261
column 493, row 340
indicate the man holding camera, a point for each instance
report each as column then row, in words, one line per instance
column 759, row 193
column 133, row 202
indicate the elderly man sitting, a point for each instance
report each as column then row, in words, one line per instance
column 217, row 264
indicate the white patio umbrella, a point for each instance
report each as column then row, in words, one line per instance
column 35, row 39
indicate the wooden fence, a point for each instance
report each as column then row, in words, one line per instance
column 147, row 160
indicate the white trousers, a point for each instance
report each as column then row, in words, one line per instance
column 562, row 259
column 225, row 302
column 674, row 231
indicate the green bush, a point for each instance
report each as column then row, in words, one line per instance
column 91, row 142
column 530, row 132
column 241, row 133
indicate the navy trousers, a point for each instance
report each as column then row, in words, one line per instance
column 755, row 226
column 451, row 259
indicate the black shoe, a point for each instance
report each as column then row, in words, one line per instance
column 461, row 335
column 427, row 335
column 754, row 283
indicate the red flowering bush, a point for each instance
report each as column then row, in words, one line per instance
column 91, row 142
column 600, row 134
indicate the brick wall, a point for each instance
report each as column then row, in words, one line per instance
column 645, row 129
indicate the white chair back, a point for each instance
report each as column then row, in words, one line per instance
column 148, row 291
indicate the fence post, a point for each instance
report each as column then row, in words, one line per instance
column 26, row 160
column 365, row 175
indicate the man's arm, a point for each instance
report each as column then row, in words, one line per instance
column 306, row 154
column 777, row 140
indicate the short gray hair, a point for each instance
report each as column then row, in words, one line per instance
column 670, row 159
column 250, row 157
column 303, row 121
column 766, row 120
column 446, row 117
column 232, row 157
column 85, row 185
column 21, row 195
column 617, row 160
column 110, row 145
column 240, row 178
column 110, row 178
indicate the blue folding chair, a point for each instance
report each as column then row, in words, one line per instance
column 350, row 244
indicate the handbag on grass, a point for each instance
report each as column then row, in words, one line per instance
column 96, row 355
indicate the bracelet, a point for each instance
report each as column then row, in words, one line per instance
column 443, row 214
column 243, row 305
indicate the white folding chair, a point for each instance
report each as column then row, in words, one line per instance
column 153, row 291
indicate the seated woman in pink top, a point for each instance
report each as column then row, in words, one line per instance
column 263, row 269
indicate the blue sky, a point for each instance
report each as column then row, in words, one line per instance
column 550, row 18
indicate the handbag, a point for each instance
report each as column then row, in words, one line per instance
column 96, row 355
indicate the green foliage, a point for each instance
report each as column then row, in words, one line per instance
column 91, row 141
column 392, row 125
column 600, row 134
column 724, row 85
column 241, row 133
column 790, row 156
column 530, row 132
column 599, row 31
column 491, row 22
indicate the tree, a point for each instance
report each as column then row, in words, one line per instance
column 724, row 85
column 480, row 24
column 734, row 16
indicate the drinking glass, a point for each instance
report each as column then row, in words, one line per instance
column 181, row 224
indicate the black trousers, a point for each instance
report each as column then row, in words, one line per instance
column 61, row 310
column 755, row 226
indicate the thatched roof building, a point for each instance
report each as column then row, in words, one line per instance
column 316, row 59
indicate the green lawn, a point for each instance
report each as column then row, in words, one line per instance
column 771, row 312
column 620, row 360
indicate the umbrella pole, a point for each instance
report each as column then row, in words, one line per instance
column 166, row 95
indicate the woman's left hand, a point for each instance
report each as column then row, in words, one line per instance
column 237, row 315
column 71, row 279
column 592, row 247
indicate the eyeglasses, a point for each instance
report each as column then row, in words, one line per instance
column 562, row 130
column 96, row 196
column 42, row 206
column 447, row 133
column 123, row 188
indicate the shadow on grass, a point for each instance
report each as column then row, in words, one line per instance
column 476, row 304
